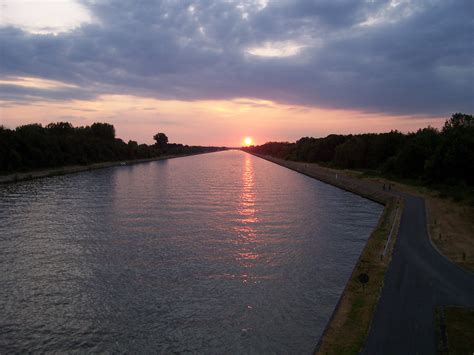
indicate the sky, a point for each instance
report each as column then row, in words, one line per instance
column 216, row 71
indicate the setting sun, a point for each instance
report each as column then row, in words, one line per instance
column 248, row 141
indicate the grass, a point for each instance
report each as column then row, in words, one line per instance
column 450, row 221
column 455, row 330
column 452, row 230
column 349, row 327
column 451, row 227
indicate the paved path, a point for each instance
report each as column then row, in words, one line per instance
column 418, row 279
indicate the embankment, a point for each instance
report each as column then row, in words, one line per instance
column 38, row 174
column 349, row 324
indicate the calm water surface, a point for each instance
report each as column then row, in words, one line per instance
column 217, row 253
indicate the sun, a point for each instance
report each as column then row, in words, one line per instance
column 248, row 141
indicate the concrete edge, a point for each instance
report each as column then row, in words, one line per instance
column 328, row 182
column 397, row 200
column 344, row 292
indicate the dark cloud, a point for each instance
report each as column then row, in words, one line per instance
column 416, row 57
column 24, row 94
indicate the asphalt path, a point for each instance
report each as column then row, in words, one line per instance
column 418, row 280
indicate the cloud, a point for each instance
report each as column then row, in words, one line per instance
column 404, row 57
column 43, row 16
column 18, row 93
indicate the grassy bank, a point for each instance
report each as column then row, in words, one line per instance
column 38, row 174
column 454, row 330
column 348, row 327
column 450, row 227
column 450, row 222
column 338, row 178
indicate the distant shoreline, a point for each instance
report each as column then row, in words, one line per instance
column 72, row 169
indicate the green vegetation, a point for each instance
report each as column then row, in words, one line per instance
column 348, row 331
column 443, row 159
column 33, row 146
column 348, row 328
column 454, row 330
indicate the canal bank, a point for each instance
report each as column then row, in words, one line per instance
column 349, row 325
column 38, row 174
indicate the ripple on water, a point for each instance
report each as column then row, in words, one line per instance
column 217, row 253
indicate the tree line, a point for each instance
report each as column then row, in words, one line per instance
column 33, row 146
column 433, row 156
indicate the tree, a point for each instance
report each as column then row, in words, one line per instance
column 103, row 131
column 453, row 160
column 352, row 154
column 60, row 128
column 161, row 140
column 33, row 146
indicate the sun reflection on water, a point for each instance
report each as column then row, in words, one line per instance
column 247, row 236
column 247, row 198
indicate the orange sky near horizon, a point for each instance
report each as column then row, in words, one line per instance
column 209, row 122
column 87, row 61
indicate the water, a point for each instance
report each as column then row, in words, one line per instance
column 217, row 253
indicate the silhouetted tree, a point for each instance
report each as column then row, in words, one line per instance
column 103, row 130
column 352, row 153
column 161, row 140
column 435, row 157
column 33, row 146
column 453, row 160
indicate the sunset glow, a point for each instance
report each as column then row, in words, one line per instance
column 206, row 173
column 225, row 122
column 146, row 68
